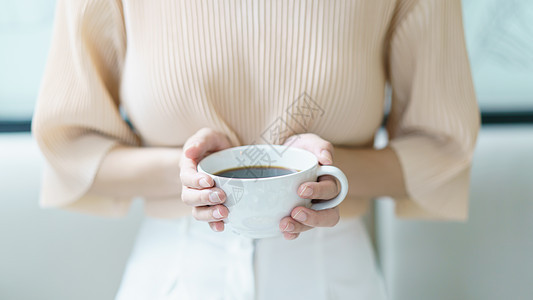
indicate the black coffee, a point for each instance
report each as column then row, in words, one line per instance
column 255, row 172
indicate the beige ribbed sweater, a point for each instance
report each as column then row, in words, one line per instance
column 259, row 71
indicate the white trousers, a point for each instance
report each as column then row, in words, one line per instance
column 183, row 259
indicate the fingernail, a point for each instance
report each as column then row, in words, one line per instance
column 203, row 183
column 300, row 216
column 215, row 228
column 289, row 227
column 214, row 198
column 326, row 157
column 306, row 192
column 290, row 237
column 217, row 214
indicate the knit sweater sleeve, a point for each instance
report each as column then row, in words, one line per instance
column 77, row 119
column 434, row 118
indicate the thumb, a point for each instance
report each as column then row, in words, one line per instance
column 204, row 141
column 313, row 143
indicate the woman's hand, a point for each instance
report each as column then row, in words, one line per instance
column 198, row 190
column 326, row 188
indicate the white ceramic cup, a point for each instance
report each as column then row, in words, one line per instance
column 257, row 205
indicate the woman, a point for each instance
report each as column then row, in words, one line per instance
column 195, row 77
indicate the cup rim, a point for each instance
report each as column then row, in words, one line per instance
column 287, row 148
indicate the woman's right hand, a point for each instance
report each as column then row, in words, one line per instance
column 198, row 191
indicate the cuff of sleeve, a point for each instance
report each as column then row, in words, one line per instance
column 437, row 179
column 66, row 185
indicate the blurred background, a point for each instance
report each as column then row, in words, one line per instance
column 52, row 254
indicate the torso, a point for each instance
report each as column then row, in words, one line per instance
column 262, row 70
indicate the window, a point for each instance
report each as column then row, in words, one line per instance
column 499, row 36
column 25, row 30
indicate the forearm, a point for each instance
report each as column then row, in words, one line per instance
column 371, row 173
column 154, row 172
column 130, row 172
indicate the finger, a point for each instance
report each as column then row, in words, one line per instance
column 316, row 218
column 204, row 141
column 325, row 157
column 325, row 189
column 190, row 177
column 289, row 225
column 210, row 213
column 290, row 236
column 322, row 149
column 217, row 226
column 194, row 197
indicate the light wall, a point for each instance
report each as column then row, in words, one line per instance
column 486, row 258
column 53, row 254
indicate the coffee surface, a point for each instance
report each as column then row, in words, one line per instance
column 255, row 172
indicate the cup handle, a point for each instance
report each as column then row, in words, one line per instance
column 337, row 173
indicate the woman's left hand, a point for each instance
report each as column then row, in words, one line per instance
column 302, row 218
